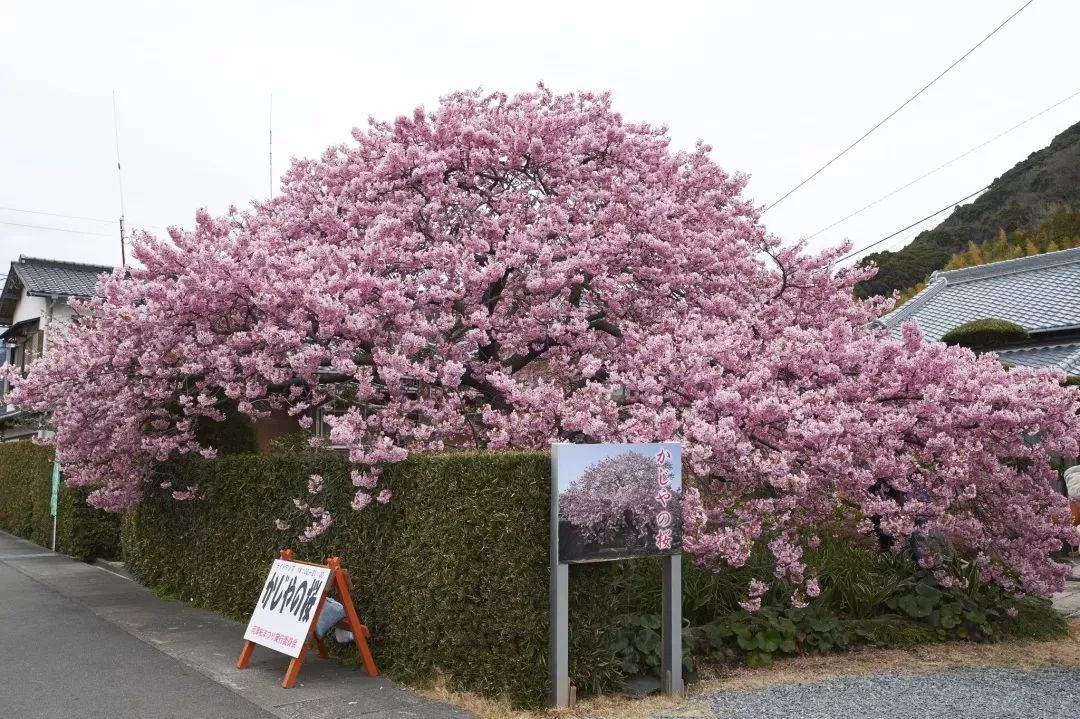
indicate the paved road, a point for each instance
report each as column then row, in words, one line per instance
column 962, row 694
column 58, row 660
column 78, row 642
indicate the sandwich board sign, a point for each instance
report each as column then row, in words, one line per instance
column 611, row 502
column 287, row 606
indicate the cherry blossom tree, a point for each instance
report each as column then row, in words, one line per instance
column 616, row 493
column 509, row 271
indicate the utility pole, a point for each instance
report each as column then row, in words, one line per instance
column 123, row 256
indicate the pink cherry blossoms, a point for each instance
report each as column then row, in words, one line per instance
column 511, row 271
column 617, row 493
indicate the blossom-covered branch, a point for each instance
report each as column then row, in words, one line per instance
column 510, row 271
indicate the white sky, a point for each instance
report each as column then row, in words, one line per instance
column 777, row 87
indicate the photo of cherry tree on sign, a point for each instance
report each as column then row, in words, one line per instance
column 617, row 501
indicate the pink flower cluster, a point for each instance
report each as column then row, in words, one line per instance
column 509, row 271
column 616, row 494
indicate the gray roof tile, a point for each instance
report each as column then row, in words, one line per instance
column 54, row 277
column 1040, row 293
column 1064, row 356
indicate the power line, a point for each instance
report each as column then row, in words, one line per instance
column 76, row 217
column 894, row 112
column 57, row 214
column 54, row 229
column 943, row 166
column 950, row 206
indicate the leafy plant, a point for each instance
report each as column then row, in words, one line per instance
column 867, row 597
column 638, row 644
column 981, row 334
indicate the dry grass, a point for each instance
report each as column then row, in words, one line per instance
column 799, row 670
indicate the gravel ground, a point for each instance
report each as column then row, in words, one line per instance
column 960, row 694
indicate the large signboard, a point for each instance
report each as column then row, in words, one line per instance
column 617, row 501
column 287, row 606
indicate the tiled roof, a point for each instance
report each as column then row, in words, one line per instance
column 1040, row 293
column 46, row 278
column 1064, row 356
column 53, row 277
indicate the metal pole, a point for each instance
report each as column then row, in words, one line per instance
column 559, row 658
column 54, row 532
column 119, row 179
column 671, row 655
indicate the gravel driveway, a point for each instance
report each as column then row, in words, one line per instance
column 957, row 694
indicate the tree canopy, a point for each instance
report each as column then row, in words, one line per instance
column 511, row 271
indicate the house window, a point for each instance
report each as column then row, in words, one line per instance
column 322, row 429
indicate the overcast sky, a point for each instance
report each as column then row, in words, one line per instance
column 776, row 87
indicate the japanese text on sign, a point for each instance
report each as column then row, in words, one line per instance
column 286, row 606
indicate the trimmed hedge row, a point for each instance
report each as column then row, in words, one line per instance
column 451, row 575
column 25, row 494
column 985, row 334
column 24, row 468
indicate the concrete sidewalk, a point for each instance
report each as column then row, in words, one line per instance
column 209, row 645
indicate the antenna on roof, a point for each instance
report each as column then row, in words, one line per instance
column 120, row 178
column 271, row 146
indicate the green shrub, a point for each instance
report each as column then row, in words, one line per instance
column 451, row 576
column 24, row 468
column 867, row 597
column 985, row 334
column 1035, row 619
column 84, row 532
column 25, row 498
column 233, row 435
column 40, row 487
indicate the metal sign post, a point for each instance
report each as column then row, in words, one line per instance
column 671, row 678
column 54, row 500
column 559, row 657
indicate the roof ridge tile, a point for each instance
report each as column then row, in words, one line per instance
column 1018, row 264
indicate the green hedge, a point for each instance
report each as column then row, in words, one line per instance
column 24, row 468
column 83, row 532
column 985, row 334
column 451, row 576
column 25, row 494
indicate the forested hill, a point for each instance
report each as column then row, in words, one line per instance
column 1023, row 199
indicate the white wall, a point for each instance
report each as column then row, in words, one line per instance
column 60, row 315
column 51, row 316
column 29, row 308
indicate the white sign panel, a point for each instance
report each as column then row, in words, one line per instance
column 286, row 606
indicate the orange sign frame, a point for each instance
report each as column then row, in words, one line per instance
column 339, row 578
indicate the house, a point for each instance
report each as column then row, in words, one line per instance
column 1040, row 293
column 33, row 304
